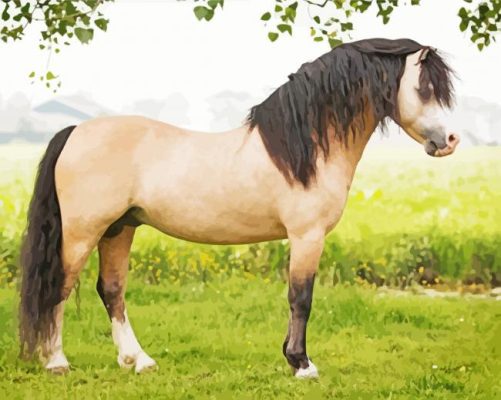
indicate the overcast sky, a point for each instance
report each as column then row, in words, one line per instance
column 156, row 48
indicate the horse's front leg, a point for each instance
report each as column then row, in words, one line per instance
column 306, row 250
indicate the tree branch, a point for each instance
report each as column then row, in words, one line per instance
column 317, row 4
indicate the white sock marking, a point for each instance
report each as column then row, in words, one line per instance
column 124, row 338
column 130, row 352
column 53, row 350
column 310, row 372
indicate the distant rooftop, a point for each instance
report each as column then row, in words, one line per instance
column 75, row 106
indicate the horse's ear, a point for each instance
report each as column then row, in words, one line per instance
column 423, row 55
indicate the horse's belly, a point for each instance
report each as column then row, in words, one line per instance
column 212, row 225
column 213, row 232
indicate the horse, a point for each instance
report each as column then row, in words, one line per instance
column 284, row 174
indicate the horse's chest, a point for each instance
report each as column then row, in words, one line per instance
column 333, row 208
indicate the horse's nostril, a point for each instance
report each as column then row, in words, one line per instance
column 451, row 138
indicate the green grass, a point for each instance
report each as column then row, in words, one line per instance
column 223, row 341
column 214, row 317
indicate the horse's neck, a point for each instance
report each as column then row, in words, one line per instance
column 347, row 152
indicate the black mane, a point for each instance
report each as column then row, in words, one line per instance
column 335, row 89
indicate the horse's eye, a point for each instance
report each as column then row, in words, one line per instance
column 425, row 92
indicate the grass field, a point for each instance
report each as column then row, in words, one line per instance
column 223, row 341
column 214, row 317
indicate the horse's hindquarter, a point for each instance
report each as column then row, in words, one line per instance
column 95, row 175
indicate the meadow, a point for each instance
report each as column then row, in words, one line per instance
column 214, row 317
column 223, row 341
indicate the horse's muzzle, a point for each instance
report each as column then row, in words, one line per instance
column 432, row 149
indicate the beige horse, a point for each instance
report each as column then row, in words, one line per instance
column 285, row 174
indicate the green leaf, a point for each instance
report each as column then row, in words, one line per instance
column 318, row 39
column 63, row 28
column 70, row 8
column 5, row 13
column 25, row 9
column 32, row 74
column 483, row 9
column 285, row 28
column 50, row 76
column 272, row 36
column 209, row 15
column 463, row 25
column 213, row 3
column 85, row 35
column 102, row 24
column 266, row 16
column 492, row 13
column 290, row 13
column 334, row 42
column 363, row 6
column 200, row 12
column 90, row 3
column 85, row 19
column 316, row 18
column 346, row 26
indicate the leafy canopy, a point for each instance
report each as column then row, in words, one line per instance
column 64, row 21
column 60, row 22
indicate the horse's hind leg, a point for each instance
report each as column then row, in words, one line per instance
column 75, row 250
column 114, row 251
column 56, row 361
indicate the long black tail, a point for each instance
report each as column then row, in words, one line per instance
column 41, row 265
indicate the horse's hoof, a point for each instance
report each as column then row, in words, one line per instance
column 126, row 362
column 61, row 370
column 58, row 364
column 307, row 373
column 144, row 363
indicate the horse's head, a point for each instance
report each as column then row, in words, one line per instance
column 425, row 90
